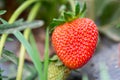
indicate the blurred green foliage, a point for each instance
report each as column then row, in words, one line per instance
column 107, row 11
column 50, row 9
column 106, row 14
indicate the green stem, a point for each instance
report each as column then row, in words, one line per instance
column 85, row 77
column 46, row 56
column 12, row 19
column 27, row 31
column 2, row 42
column 35, row 58
column 104, row 74
column 25, row 5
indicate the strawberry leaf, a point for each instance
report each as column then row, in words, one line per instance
column 18, row 25
column 83, row 9
column 2, row 12
column 59, row 63
column 83, row 15
column 68, row 16
column 3, row 21
column 55, row 22
column 77, row 9
column 9, row 56
column 6, row 25
column 16, row 22
column 54, row 58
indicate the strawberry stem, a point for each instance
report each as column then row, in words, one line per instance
column 46, row 56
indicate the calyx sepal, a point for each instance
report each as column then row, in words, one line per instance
column 68, row 16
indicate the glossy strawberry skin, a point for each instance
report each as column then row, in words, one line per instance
column 75, row 42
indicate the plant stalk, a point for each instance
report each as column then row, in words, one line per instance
column 46, row 56
column 27, row 31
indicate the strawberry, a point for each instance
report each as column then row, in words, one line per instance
column 75, row 42
column 57, row 72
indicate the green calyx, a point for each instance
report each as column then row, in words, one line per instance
column 56, row 60
column 67, row 16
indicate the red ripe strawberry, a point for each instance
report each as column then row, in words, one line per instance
column 75, row 42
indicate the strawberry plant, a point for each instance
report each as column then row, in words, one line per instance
column 73, row 37
column 70, row 40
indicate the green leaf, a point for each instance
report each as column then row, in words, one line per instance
column 59, row 63
column 33, row 44
column 10, row 56
column 83, row 9
column 68, row 16
column 77, row 9
column 18, row 26
column 35, row 57
column 20, row 21
column 56, row 22
column 34, row 47
column 108, row 13
column 3, row 21
column 30, row 71
column 16, row 22
column 111, row 31
column 54, row 58
column 2, row 12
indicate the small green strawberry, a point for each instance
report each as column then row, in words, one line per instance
column 75, row 41
column 57, row 71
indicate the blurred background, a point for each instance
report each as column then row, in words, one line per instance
column 105, row 64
